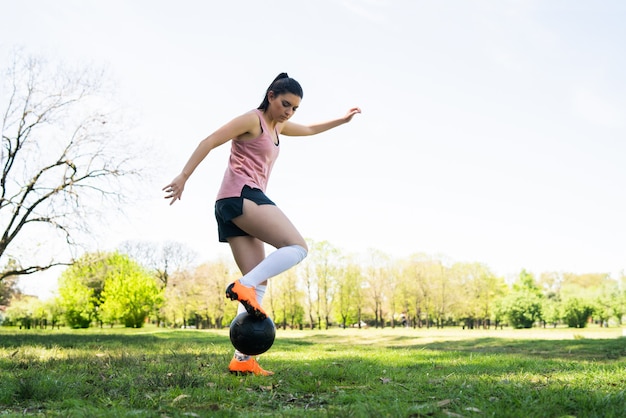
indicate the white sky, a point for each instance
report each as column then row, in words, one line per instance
column 492, row 131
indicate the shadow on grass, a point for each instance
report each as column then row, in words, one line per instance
column 611, row 348
column 578, row 349
column 93, row 338
column 573, row 349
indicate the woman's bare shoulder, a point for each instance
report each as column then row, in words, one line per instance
column 251, row 123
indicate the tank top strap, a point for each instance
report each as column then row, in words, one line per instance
column 259, row 113
column 264, row 126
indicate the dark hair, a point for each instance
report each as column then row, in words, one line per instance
column 282, row 84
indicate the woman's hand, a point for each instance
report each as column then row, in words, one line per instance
column 351, row 113
column 175, row 189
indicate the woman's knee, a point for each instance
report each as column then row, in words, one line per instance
column 298, row 242
column 300, row 252
column 302, row 244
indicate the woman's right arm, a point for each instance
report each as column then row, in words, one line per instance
column 233, row 129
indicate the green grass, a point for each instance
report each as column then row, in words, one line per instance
column 337, row 373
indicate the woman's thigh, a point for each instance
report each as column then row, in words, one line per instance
column 269, row 224
column 247, row 251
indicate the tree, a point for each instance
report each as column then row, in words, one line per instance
column 24, row 311
column 417, row 272
column 442, row 292
column 311, row 291
column 80, row 289
column 619, row 305
column 526, row 283
column 480, row 289
column 606, row 299
column 8, row 290
column 377, row 274
column 108, row 287
column 552, row 311
column 55, row 311
column 325, row 261
column 211, row 280
column 180, row 296
column 577, row 312
column 130, row 293
column 350, row 295
column 395, row 295
column 284, row 300
column 60, row 164
column 618, row 302
column 597, row 290
column 164, row 259
column 523, row 307
column 551, row 282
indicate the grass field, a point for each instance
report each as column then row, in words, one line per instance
column 337, row 373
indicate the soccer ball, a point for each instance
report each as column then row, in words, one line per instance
column 251, row 335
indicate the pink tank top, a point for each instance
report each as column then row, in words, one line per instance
column 250, row 162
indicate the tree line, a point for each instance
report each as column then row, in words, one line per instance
column 145, row 282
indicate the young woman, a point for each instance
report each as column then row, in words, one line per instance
column 246, row 217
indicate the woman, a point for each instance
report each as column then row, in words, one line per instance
column 246, row 217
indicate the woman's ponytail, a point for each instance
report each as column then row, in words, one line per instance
column 281, row 84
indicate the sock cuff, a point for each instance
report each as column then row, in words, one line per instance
column 300, row 251
column 241, row 356
column 277, row 262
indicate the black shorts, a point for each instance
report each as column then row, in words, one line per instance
column 229, row 208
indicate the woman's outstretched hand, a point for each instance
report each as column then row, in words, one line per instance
column 351, row 113
column 174, row 190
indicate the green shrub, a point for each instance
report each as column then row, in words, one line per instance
column 577, row 313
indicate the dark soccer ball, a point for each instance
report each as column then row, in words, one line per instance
column 251, row 335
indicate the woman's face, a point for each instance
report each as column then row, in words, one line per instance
column 283, row 106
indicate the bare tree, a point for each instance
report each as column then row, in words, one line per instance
column 377, row 276
column 60, row 164
column 8, row 289
column 164, row 259
column 326, row 262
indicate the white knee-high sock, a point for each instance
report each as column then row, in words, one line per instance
column 280, row 260
column 260, row 292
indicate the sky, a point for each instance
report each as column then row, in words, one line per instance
column 491, row 131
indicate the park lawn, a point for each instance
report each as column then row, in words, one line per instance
column 398, row 372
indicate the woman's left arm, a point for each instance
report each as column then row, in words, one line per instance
column 294, row 129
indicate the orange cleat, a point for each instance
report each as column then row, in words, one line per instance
column 247, row 296
column 247, row 366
